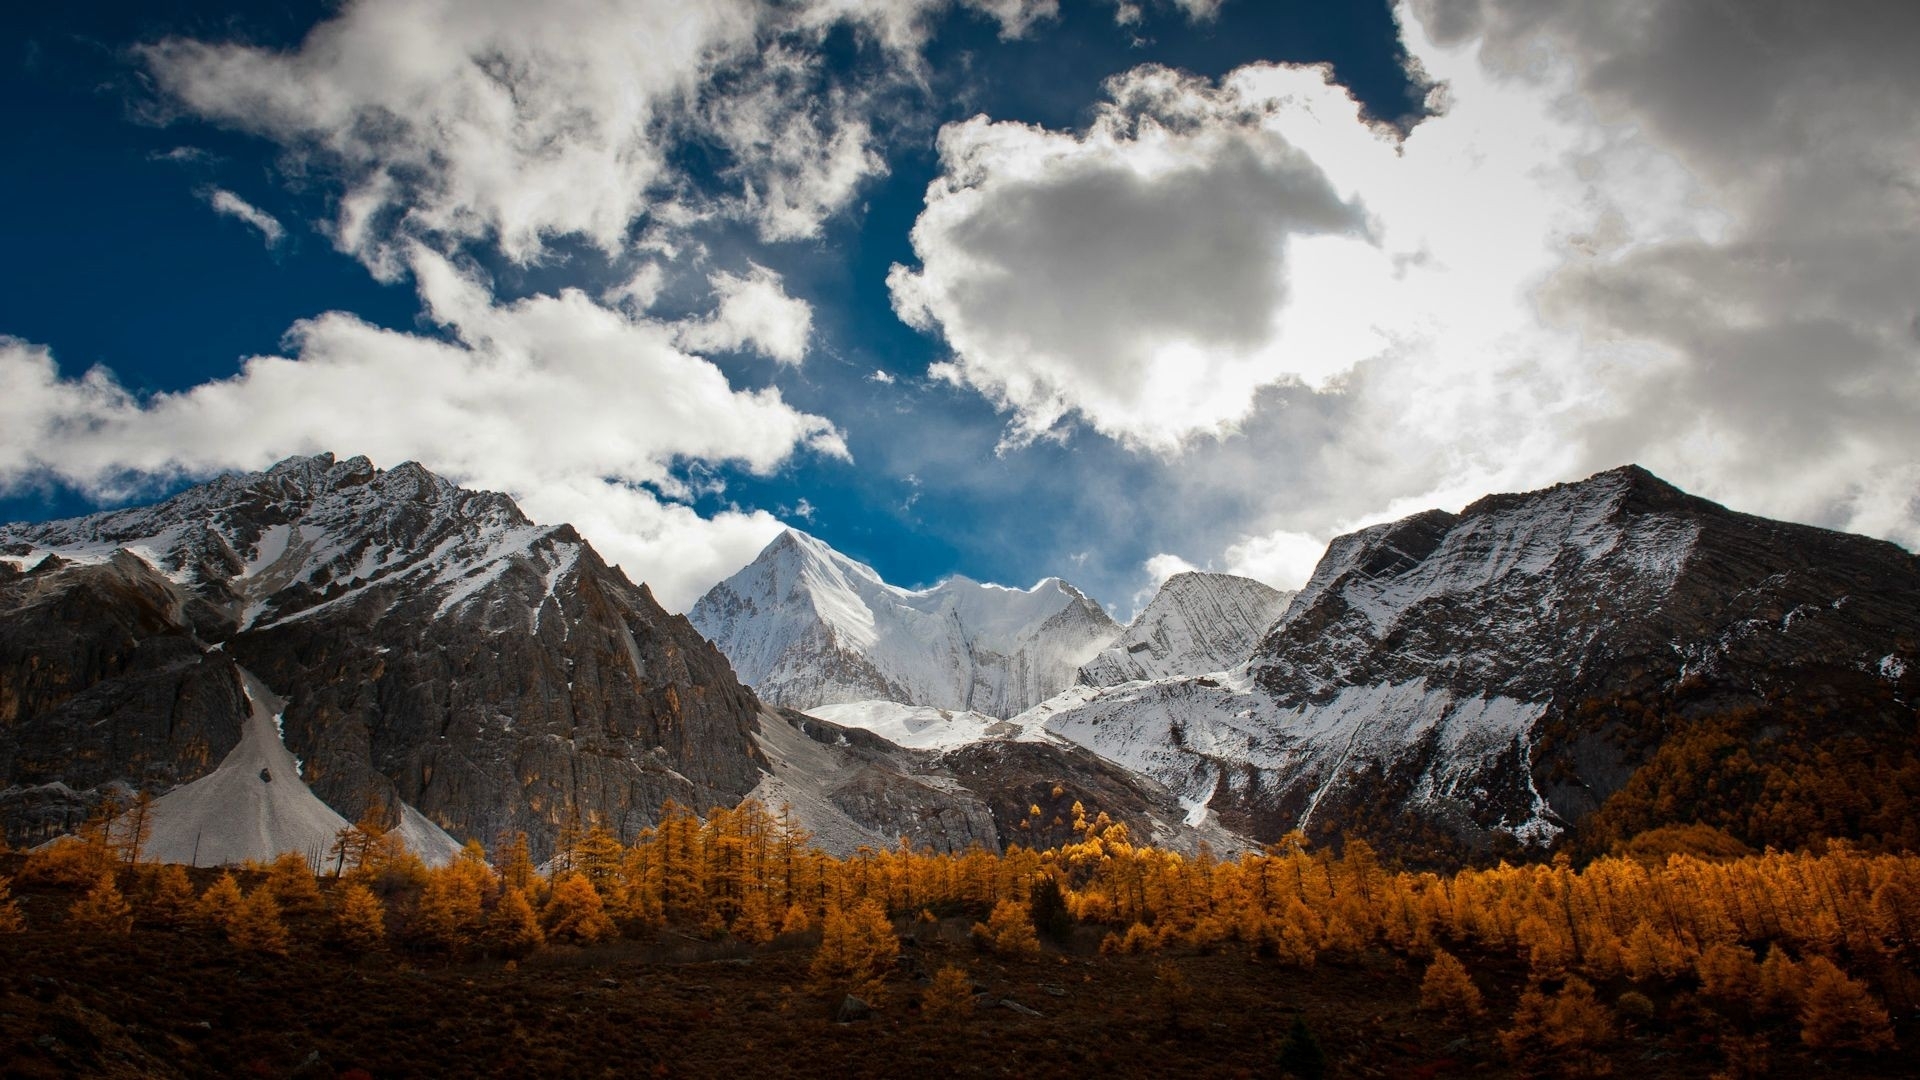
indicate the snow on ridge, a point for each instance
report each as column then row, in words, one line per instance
column 923, row 727
column 1189, row 734
column 807, row 626
column 1197, row 623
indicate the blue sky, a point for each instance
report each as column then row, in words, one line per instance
column 1001, row 288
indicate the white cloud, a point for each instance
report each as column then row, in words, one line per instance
column 554, row 399
column 1678, row 234
column 756, row 311
column 226, row 202
column 1163, row 566
column 1282, row 559
column 881, row 376
column 514, row 124
column 1133, row 275
column 640, row 290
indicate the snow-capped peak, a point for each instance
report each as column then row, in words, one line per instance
column 307, row 533
column 1197, row 623
column 805, row 625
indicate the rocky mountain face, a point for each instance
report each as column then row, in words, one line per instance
column 435, row 649
column 1196, row 623
column 1450, row 681
column 806, row 626
column 853, row 788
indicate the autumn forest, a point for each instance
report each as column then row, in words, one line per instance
column 1749, row 961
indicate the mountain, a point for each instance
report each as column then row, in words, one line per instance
column 1611, row 650
column 1196, row 623
column 806, row 626
column 436, row 651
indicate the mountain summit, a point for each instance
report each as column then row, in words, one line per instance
column 806, row 626
column 1196, row 623
column 436, row 652
column 1450, row 678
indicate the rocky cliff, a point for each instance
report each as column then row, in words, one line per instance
column 1498, row 674
column 434, row 647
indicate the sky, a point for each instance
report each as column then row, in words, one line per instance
column 1008, row 288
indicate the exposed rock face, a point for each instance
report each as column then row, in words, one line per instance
column 434, row 647
column 804, row 625
column 1410, row 686
column 102, row 680
column 1198, row 622
column 851, row 787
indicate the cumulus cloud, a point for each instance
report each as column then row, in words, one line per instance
column 753, row 311
column 1282, row 558
column 1133, row 275
column 226, row 202
column 514, row 124
column 1679, row 234
column 554, row 399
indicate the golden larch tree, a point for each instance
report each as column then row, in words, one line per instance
column 1448, row 989
column 11, row 921
column 103, row 911
column 512, row 928
column 948, row 996
column 256, row 925
column 857, row 950
column 1840, row 1012
column 170, row 901
column 575, row 912
column 359, row 922
column 220, row 902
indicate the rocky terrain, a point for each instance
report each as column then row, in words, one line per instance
column 1196, row 623
column 436, row 650
column 1452, row 681
column 271, row 653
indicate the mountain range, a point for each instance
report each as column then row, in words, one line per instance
column 339, row 636
column 273, row 653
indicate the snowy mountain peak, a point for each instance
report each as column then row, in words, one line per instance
column 1476, row 674
column 434, row 648
column 806, row 625
column 1197, row 623
column 308, row 532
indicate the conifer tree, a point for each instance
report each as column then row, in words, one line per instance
column 128, row 834
column 1008, row 931
column 516, row 866
column 795, row 921
column 1840, row 1012
column 103, row 911
column 256, row 925
column 1300, row 1052
column 220, row 902
column 359, row 924
column 575, row 912
column 754, row 924
column 291, row 881
column 170, row 899
column 948, row 996
column 1448, row 989
column 857, row 950
column 363, row 845
column 11, row 921
column 1728, row 973
column 512, row 928
column 447, row 914
column 1564, row 1033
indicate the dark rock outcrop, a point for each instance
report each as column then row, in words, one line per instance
column 434, row 646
